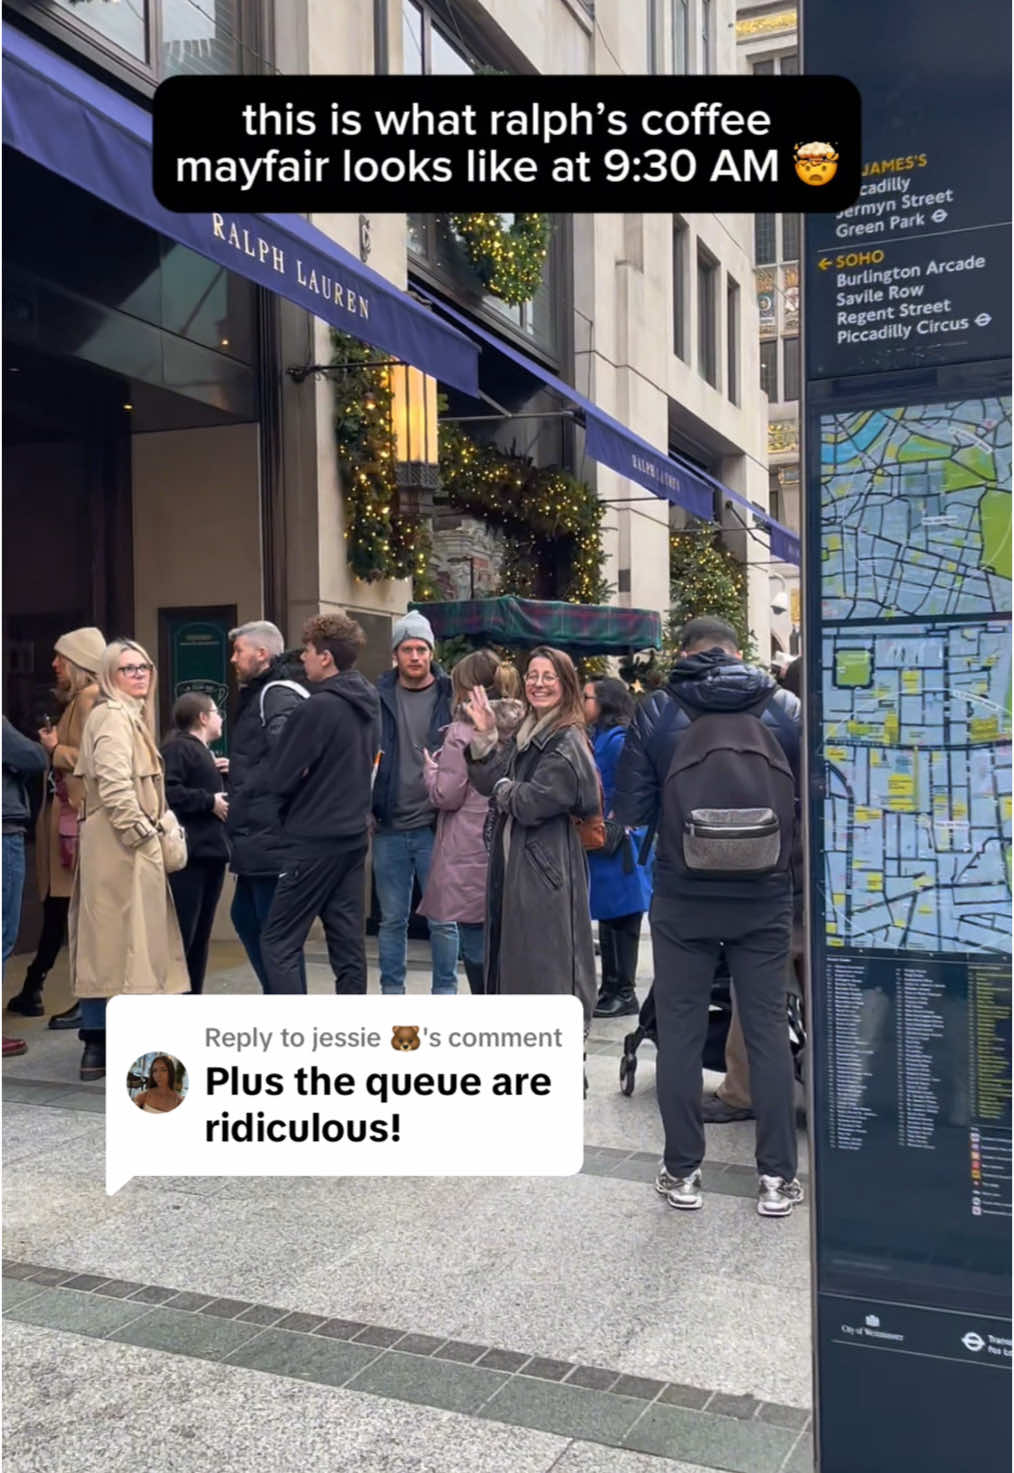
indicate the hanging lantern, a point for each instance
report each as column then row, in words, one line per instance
column 414, row 426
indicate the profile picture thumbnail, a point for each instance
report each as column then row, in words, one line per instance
column 157, row 1083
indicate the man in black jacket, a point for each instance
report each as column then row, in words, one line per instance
column 415, row 709
column 22, row 759
column 268, row 695
column 321, row 772
column 692, row 914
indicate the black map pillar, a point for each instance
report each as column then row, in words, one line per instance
column 908, row 577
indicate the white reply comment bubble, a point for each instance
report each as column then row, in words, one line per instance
column 346, row 1086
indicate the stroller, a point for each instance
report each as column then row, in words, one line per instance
column 719, row 1019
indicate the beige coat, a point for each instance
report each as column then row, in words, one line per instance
column 124, row 936
column 52, row 877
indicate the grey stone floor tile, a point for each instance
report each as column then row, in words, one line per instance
column 226, row 1309
column 155, row 1294
column 51, row 1276
column 499, row 1360
column 188, row 1301
column 341, row 1329
column 15, row 1270
column 568, row 1411
column 643, row 1387
column 721, row 1442
column 593, row 1457
column 187, row 1334
column 593, row 1378
column 305, row 1357
column 66, row 1309
column 100, row 1407
column 547, row 1369
column 427, row 1344
column 783, row 1416
column 381, row 1336
column 261, row 1314
column 431, row 1382
column 85, row 1282
column 801, row 1459
column 306, row 1323
column 679, row 1395
column 16, row 1291
column 724, row 1405
column 463, row 1351
column 598, row 1166
column 118, row 1288
column 639, row 1171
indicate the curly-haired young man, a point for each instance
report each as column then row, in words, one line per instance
column 321, row 772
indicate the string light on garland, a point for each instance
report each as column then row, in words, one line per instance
column 509, row 259
column 381, row 542
column 553, row 520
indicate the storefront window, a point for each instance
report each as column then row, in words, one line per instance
column 165, row 37
column 433, row 44
column 126, row 26
column 204, row 38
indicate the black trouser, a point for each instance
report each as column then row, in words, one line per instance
column 686, row 937
column 55, row 909
column 332, row 887
column 619, row 938
column 196, row 890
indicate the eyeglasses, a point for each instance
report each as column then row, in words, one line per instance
column 131, row 670
column 547, row 680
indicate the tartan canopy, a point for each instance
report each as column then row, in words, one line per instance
column 581, row 629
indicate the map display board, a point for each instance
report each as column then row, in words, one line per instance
column 907, row 638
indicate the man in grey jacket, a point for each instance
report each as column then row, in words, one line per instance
column 22, row 759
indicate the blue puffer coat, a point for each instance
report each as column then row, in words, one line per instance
column 611, row 891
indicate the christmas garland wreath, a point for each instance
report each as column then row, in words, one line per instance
column 509, row 259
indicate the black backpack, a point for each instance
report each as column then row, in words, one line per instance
column 729, row 798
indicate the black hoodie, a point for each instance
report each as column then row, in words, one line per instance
column 323, row 763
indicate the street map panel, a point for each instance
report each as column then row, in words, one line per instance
column 916, row 511
column 916, row 567
column 917, row 823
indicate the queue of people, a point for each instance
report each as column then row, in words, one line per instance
column 518, row 808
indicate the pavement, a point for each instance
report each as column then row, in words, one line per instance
column 410, row 1325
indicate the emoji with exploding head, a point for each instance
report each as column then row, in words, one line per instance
column 816, row 163
column 405, row 1039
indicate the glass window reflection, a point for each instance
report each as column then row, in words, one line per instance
column 125, row 24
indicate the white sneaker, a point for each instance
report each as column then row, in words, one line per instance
column 776, row 1197
column 680, row 1191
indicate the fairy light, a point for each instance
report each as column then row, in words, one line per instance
column 510, row 260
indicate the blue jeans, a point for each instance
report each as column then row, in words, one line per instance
column 472, row 936
column 250, row 905
column 399, row 856
column 13, row 888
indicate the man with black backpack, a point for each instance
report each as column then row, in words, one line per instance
column 713, row 761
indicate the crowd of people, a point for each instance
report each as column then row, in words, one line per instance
column 521, row 807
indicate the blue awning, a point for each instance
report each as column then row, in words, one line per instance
column 613, row 445
column 74, row 125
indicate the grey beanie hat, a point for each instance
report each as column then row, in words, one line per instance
column 412, row 625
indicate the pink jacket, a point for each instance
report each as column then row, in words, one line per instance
column 456, row 889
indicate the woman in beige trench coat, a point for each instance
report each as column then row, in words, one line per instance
column 76, row 658
column 124, row 936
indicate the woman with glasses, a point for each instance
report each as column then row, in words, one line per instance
column 539, row 936
column 124, row 937
column 195, row 793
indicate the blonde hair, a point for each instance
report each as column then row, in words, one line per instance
column 78, row 679
column 111, row 656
